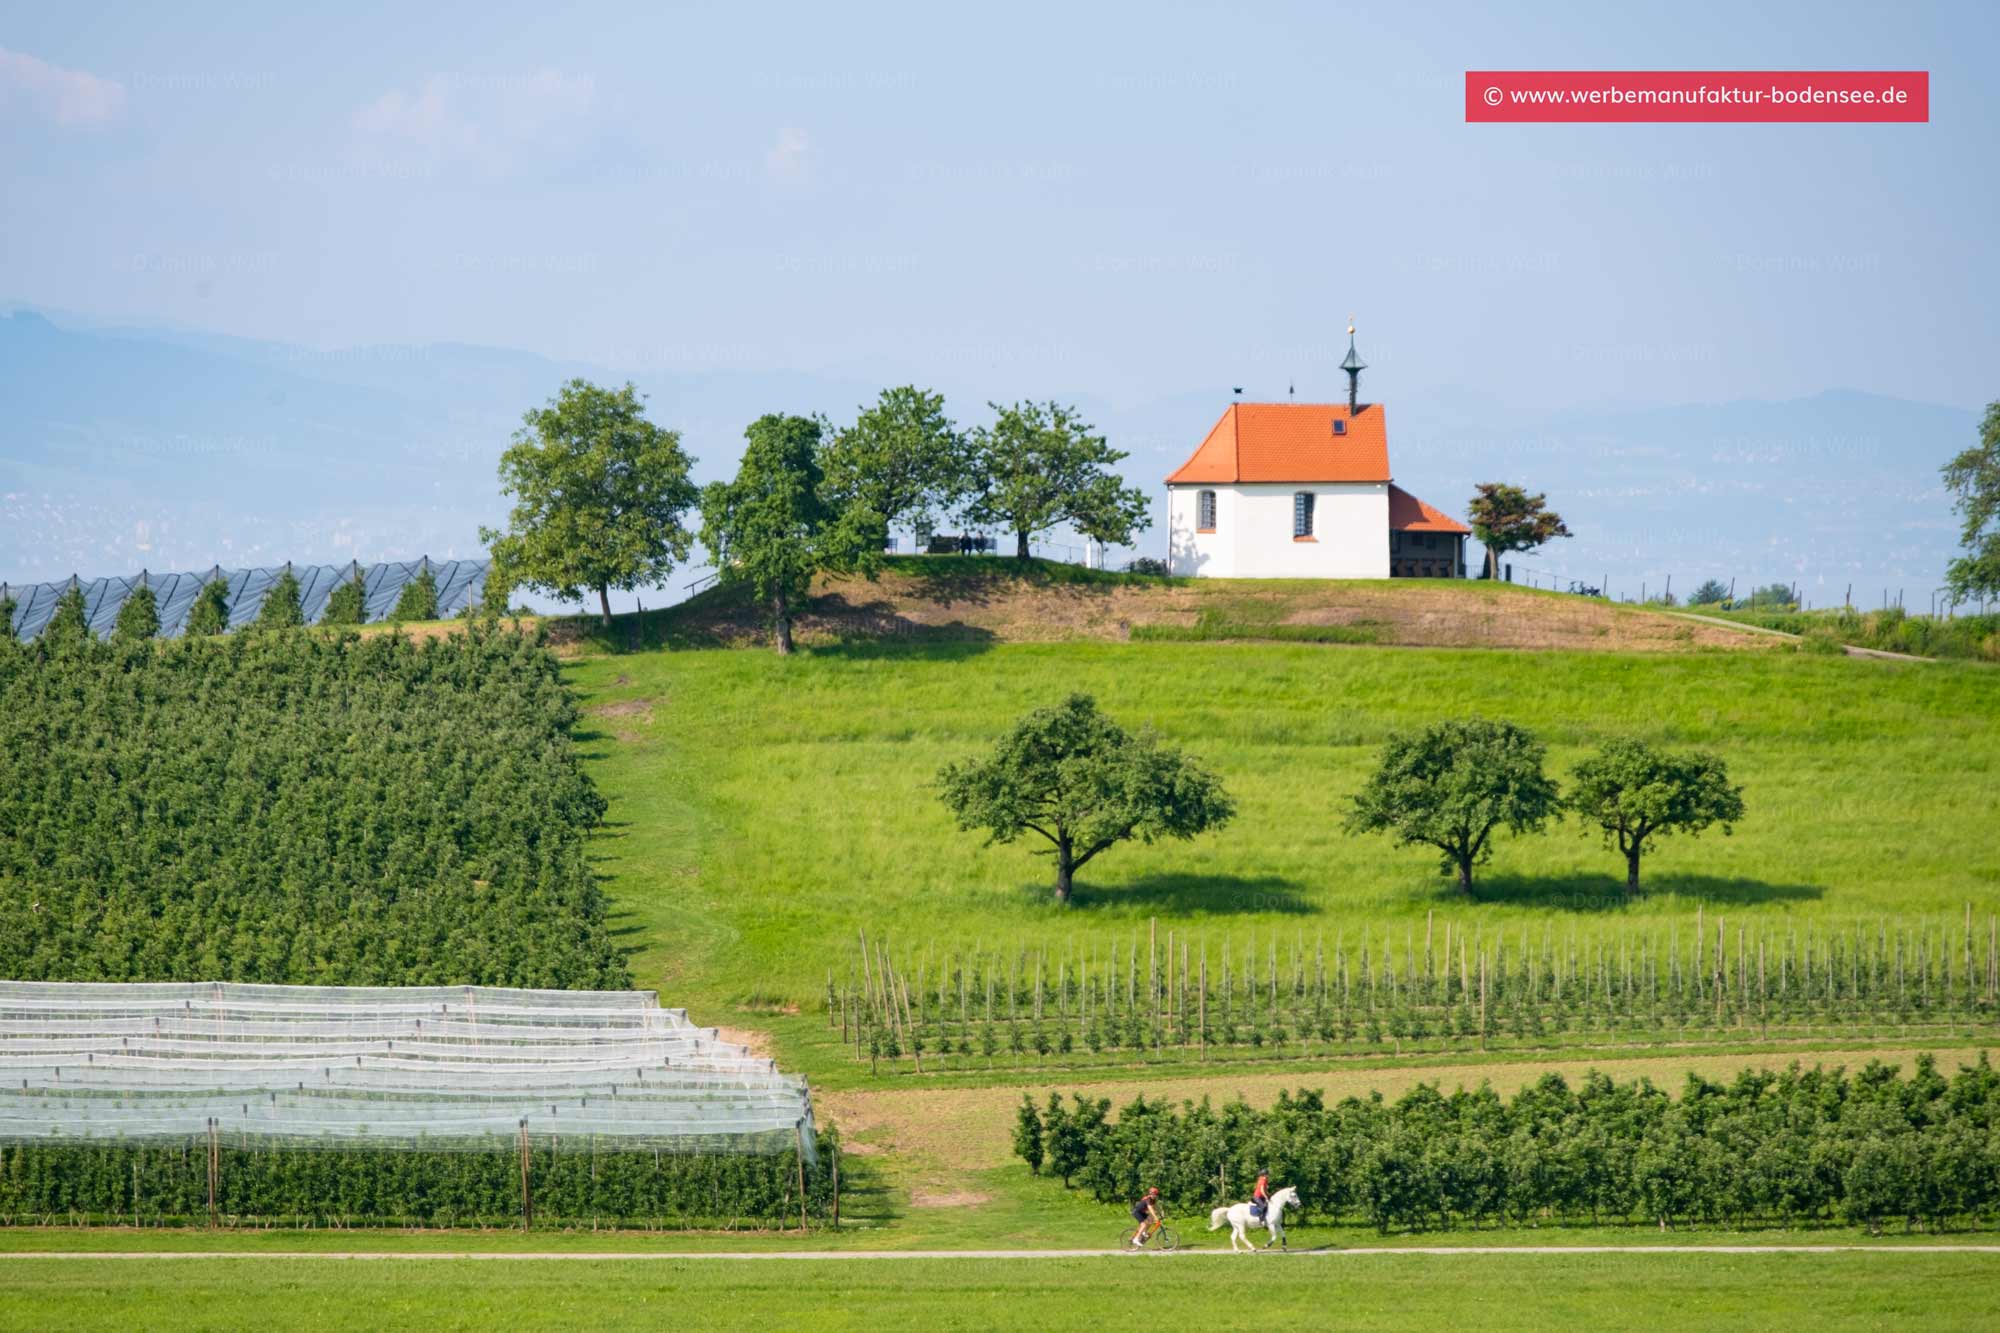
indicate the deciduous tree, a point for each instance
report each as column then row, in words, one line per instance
column 69, row 622
column 1041, row 464
column 1506, row 518
column 1635, row 794
column 1973, row 478
column 138, row 615
column 902, row 458
column 774, row 526
column 599, row 494
column 280, row 608
column 419, row 598
column 1452, row 785
column 210, row 612
column 1075, row 778
column 347, row 604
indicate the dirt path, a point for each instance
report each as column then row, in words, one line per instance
column 1851, row 649
column 653, row 1256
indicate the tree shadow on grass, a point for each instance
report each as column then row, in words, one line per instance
column 868, row 635
column 866, row 1196
column 1196, row 895
column 1587, row 893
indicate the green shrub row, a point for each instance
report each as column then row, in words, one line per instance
column 571, row 1182
column 1798, row 1146
column 308, row 808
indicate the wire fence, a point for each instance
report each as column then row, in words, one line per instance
column 1738, row 593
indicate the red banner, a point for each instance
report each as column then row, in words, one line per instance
column 1698, row 96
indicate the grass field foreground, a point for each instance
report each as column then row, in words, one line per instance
column 1775, row 1290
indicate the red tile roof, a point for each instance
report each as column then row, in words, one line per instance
column 1291, row 442
column 1409, row 514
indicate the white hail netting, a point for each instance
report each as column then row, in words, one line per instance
column 341, row 1067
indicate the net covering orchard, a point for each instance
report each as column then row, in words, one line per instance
column 429, row 1105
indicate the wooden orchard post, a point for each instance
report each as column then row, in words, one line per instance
column 214, row 1170
column 527, row 1198
column 799, row 1160
column 836, row 1190
column 1482, row 999
column 1201, row 997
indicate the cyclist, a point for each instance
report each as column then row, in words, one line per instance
column 1260, row 1197
column 1146, row 1212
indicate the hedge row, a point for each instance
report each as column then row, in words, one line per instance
column 1798, row 1146
column 570, row 1184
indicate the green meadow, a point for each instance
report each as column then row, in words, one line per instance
column 1774, row 1290
column 765, row 810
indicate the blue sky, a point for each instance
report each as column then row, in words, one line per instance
column 1004, row 201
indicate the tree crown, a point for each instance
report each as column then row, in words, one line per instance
column 1507, row 518
column 1635, row 793
column 1075, row 777
column 1041, row 464
column 903, row 458
column 1973, row 478
column 773, row 527
column 1453, row 783
column 599, row 494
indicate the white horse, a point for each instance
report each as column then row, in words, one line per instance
column 1240, row 1221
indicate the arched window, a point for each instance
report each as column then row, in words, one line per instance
column 1302, row 515
column 1204, row 511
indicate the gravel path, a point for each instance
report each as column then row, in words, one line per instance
column 610, row 1256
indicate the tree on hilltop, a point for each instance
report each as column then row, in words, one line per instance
column 1041, row 464
column 1712, row 592
column 1506, row 518
column 1973, row 478
column 902, row 458
column 774, row 526
column 599, row 494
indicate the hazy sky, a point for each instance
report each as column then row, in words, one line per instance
column 1010, row 200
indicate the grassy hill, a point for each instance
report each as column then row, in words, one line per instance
column 765, row 810
column 951, row 599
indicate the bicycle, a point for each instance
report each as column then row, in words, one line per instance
column 1162, row 1239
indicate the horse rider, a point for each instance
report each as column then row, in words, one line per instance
column 1146, row 1212
column 1260, row 1197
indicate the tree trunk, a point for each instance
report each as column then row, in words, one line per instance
column 1021, row 545
column 1632, row 871
column 781, row 625
column 604, row 603
column 1492, row 562
column 1065, row 869
column 1465, row 875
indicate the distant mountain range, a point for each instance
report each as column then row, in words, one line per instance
column 124, row 448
